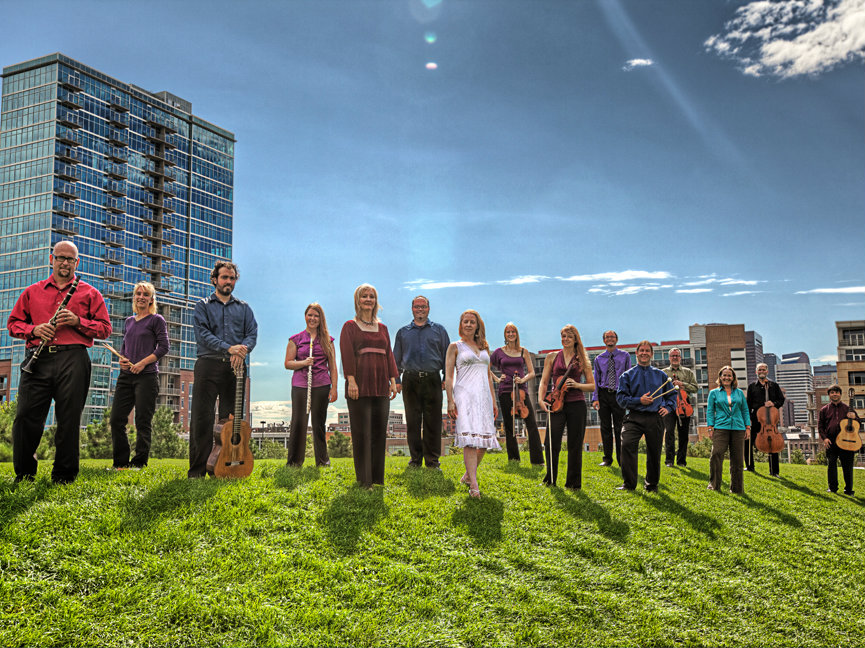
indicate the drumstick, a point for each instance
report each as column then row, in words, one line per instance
column 665, row 393
column 652, row 395
column 112, row 349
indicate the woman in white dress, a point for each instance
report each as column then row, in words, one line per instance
column 471, row 396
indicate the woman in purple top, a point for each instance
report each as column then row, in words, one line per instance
column 574, row 361
column 310, row 353
column 513, row 360
column 145, row 340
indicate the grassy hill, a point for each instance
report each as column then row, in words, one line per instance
column 303, row 557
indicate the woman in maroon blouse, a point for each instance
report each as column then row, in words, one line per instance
column 370, row 384
column 573, row 413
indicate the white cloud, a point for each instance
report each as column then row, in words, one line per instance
column 626, row 275
column 270, row 411
column 637, row 63
column 790, row 38
column 832, row 291
column 742, row 292
column 828, row 358
column 436, row 285
column 694, row 290
column 706, row 280
column 258, row 364
column 627, row 290
column 516, row 281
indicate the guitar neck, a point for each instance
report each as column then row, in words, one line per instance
column 238, row 400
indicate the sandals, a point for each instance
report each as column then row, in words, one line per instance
column 475, row 493
column 465, row 480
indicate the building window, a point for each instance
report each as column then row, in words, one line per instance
column 856, row 378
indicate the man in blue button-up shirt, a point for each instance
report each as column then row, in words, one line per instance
column 419, row 350
column 643, row 393
column 225, row 332
column 607, row 368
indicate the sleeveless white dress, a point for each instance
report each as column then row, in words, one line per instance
column 475, row 423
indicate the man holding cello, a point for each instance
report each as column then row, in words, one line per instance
column 762, row 393
column 678, row 422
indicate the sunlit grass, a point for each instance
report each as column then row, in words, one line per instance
column 304, row 557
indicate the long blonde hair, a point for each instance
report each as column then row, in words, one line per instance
column 517, row 331
column 580, row 349
column 480, row 338
column 323, row 335
column 151, row 309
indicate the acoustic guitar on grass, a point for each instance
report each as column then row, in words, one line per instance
column 231, row 455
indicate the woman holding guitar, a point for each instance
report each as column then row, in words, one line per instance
column 311, row 355
column 829, row 424
column 727, row 417
column 515, row 363
column 370, row 384
column 571, row 376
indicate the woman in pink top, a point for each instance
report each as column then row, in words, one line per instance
column 370, row 384
column 310, row 353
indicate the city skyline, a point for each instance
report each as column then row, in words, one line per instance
column 450, row 149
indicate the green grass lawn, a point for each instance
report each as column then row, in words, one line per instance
column 304, row 557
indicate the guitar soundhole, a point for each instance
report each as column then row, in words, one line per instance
column 234, row 463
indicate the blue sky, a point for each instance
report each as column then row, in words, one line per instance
column 637, row 165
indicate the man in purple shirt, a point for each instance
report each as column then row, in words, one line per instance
column 608, row 367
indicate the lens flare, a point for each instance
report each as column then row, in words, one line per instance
column 432, row 66
column 430, row 37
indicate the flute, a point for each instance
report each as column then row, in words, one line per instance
column 309, row 381
column 28, row 366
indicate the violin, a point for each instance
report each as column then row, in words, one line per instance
column 518, row 400
column 769, row 440
column 683, row 402
column 848, row 438
column 556, row 398
column 232, row 455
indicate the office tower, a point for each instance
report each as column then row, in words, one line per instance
column 142, row 186
column 795, row 377
column 851, row 361
column 753, row 354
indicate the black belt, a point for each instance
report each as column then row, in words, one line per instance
column 607, row 389
column 57, row 348
column 422, row 374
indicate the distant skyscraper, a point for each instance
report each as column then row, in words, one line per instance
column 795, row 377
column 753, row 354
column 142, row 186
column 771, row 361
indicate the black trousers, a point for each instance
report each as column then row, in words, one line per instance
column 297, row 431
column 536, row 450
column 368, row 419
column 641, row 424
column 611, row 418
column 138, row 391
column 572, row 416
column 213, row 378
column 63, row 377
column 676, row 426
column 774, row 458
column 834, row 454
column 422, row 398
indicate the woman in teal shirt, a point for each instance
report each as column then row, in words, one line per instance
column 729, row 423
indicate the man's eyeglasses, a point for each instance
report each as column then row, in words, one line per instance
column 65, row 259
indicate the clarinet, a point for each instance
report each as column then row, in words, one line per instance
column 28, row 365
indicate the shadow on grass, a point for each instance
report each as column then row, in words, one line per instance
column 701, row 522
column 481, row 519
column 693, row 473
column 290, row 477
column 15, row 499
column 422, row 483
column 171, row 499
column 583, row 507
column 802, row 489
column 349, row 515
column 531, row 472
column 785, row 518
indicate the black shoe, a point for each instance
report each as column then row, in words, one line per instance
column 682, row 465
column 846, row 492
column 623, row 488
column 606, row 464
column 750, row 470
column 669, row 464
column 831, row 490
column 651, row 489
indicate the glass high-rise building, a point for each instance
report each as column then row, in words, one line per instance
column 142, row 186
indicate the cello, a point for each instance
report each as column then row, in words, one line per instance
column 231, row 455
column 769, row 440
column 848, row 437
